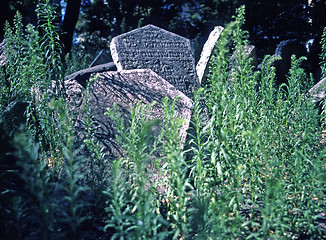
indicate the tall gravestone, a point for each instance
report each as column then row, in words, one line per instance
column 206, row 53
column 167, row 54
column 285, row 50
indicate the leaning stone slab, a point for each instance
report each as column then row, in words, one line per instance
column 83, row 76
column 206, row 53
column 125, row 89
column 248, row 51
column 101, row 58
column 166, row 53
column 285, row 50
column 3, row 57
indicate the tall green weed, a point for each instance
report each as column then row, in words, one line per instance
column 254, row 168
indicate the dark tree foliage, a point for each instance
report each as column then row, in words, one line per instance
column 8, row 9
column 268, row 22
column 101, row 20
column 27, row 9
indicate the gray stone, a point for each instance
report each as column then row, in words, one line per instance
column 247, row 51
column 83, row 76
column 101, row 58
column 166, row 53
column 318, row 92
column 285, row 50
column 207, row 51
column 125, row 89
column 3, row 57
column 13, row 116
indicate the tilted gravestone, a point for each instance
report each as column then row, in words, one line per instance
column 3, row 58
column 101, row 58
column 125, row 89
column 167, row 54
column 285, row 50
column 207, row 51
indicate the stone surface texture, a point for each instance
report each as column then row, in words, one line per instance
column 125, row 89
column 318, row 92
column 167, row 54
column 84, row 75
column 207, row 51
column 3, row 58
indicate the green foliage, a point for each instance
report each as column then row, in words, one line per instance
column 323, row 54
column 40, row 207
column 51, row 45
column 23, row 60
column 253, row 167
column 45, row 146
column 132, row 209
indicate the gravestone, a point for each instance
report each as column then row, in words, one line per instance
column 285, row 50
column 125, row 89
column 101, row 58
column 206, row 53
column 167, row 54
column 318, row 92
column 246, row 51
column 84, row 75
column 3, row 57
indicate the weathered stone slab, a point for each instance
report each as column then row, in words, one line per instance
column 285, row 50
column 206, row 53
column 83, row 76
column 246, row 51
column 125, row 89
column 166, row 53
column 101, row 58
column 3, row 57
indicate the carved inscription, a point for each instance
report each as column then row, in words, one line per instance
column 167, row 54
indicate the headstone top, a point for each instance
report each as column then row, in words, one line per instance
column 101, row 58
column 206, row 53
column 166, row 53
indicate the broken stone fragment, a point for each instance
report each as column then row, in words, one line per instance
column 125, row 89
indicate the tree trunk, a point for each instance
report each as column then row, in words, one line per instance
column 69, row 24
